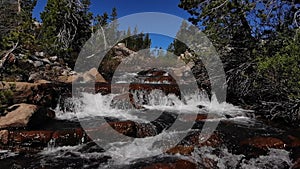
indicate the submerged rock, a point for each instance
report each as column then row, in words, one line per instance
column 179, row 164
column 181, row 149
column 264, row 142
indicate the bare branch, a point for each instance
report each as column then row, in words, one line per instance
column 3, row 60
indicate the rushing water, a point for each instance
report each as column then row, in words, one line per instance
column 126, row 154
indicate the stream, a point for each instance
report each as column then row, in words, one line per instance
column 239, row 140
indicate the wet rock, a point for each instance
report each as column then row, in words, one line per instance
column 124, row 101
column 166, row 88
column 4, row 136
column 160, row 79
column 152, row 73
column 28, row 137
column 91, row 147
column 181, row 149
column 179, row 164
column 264, row 142
column 25, row 115
column 293, row 141
column 198, row 139
column 193, row 140
column 209, row 163
column 156, row 76
column 145, row 130
column 32, row 141
column 69, row 137
column 127, row 128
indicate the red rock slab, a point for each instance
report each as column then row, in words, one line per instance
column 4, row 136
column 18, row 137
column 179, row 164
column 69, row 136
column 181, row 149
column 293, row 141
column 127, row 128
column 203, row 140
column 195, row 140
column 42, row 138
column 264, row 142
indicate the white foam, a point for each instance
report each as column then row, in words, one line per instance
column 276, row 158
column 93, row 105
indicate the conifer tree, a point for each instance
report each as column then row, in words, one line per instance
column 66, row 26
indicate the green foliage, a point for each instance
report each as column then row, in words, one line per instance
column 136, row 41
column 177, row 47
column 24, row 31
column 282, row 69
column 6, row 97
column 257, row 44
column 66, row 27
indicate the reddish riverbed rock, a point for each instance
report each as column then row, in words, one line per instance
column 69, row 136
column 161, row 79
column 179, row 164
column 195, row 140
column 264, row 142
column 127, row 128
column 4, row 136
column 293, row 141
column 19, row 137
column 181, row 149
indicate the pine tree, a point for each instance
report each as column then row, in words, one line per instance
column 66, row 26
column 22, row 29
column 147, row 41
column 257, row 41
column 177, row 47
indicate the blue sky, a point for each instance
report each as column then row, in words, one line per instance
column 127, row 7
